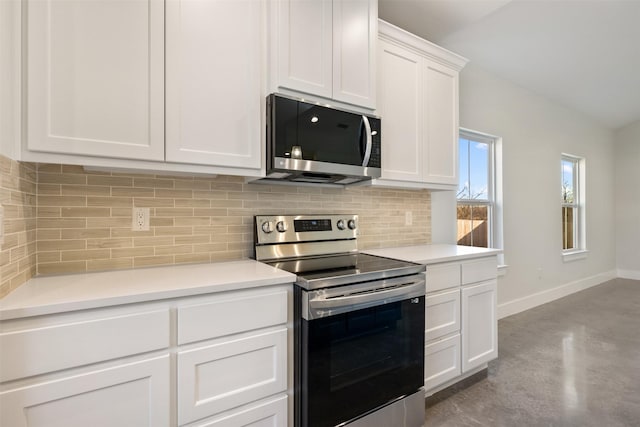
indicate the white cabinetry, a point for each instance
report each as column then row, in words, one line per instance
column 418, row 103
column 213, row 82
column 460, row 321
column 325, row 48
column 225, row 354
column 96, row 84
column 95, row 81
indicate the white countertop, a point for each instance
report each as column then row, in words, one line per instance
column 431, row 254
column 54, row 294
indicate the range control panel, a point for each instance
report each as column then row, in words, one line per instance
column 304, row 228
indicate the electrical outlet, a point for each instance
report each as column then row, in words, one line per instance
column 1, row 225
column 140, row 219
column 408, row 218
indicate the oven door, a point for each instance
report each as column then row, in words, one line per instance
column 360, row 356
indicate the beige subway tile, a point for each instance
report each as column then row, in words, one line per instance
column 14, row 226
column 153, row 241
column 111, row 222
column 191, row 221
column 193, row 203
column 61, row 201
column 49, row 189
column 172, row 250
column 86, row 190
column 9, row 270
column 73, row 169
column 53, row 256
column 5, row 257
column 18, row 253
column 211, row 229
column 85, row 212
column 6, row 164
column 128, row 232
column 5, row 288
column 191, row 258
column 111, row 181
column 173, row 231
column 233, row 195
column 191, row 184
column 56, row 178
column 48, row 212
column 126, row 212
column 131, row 252
column 60, row 245
column 62, row 267
column 152, row 260
column 161, row 222
column 85, row 255
column 239, row 246
column 210, row 212
column 152, row 202
column 226, row 203
column 173, row 212
column 226, row 220
column 49, row 168
column 227, row 256
column 210, row 195
column 132, row 192
column 227, row 186
column 153, row 182
column 85, row 233
column 174, row 194
column 48, row 234
column 209, row 247
column 109, row 264
column 189, row 240
column 113, row 202
column 109, row 243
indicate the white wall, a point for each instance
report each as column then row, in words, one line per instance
column 627, row 193
column 9, row 78
column 535, row 132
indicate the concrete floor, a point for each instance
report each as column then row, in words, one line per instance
column 572, row 362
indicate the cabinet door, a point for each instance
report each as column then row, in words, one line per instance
column 442, row 314
column 304, row 45
column 355, row 33
column 400, row 100
column 228, row 374
column 441, row 127
column 134, row 394
column 479, row 324
column 95, row 73
column 214, row 92
column 272, row 413
column 441, row 361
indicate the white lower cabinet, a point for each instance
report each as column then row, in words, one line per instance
column 224, row 375
column 442, row 314
column 269, row 413
column 479, row 324
column 132, row 394
column 442, row 361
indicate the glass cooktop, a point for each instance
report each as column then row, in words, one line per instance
column 333, row 270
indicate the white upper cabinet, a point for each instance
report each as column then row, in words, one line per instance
column 418, row 102
column 213, row 88
column 325, row 48
column 95, row 80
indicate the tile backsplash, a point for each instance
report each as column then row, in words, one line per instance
column 82, row 220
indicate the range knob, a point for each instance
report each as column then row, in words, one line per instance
column 352, row 224
column 341, row 225
column 281, row 226
column 267, row 227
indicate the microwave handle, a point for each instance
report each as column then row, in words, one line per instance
column 367, row 150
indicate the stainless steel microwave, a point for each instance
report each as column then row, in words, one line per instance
column 313, row 143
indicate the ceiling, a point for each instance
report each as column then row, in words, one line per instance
column 584, row 54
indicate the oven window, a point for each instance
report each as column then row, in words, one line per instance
column 360, row 360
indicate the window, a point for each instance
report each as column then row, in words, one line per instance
column 476, row 207
column 573, row 238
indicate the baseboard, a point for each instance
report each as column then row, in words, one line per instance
column 525, row 303
column 629, row 274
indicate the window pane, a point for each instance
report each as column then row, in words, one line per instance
column 479, row 175
column 473, row 225
column 463, row 180
column 568, row 182
column 568, row 214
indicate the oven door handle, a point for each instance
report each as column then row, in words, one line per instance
column 324, row 307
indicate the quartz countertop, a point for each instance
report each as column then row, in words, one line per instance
column 431, row 254
column 55, row 294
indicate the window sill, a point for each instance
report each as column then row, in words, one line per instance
column 574, row 255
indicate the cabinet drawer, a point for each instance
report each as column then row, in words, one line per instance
column 231, row 314
column 441, row 361
column 442, row 314
column 222, row 376
column 442, row 276
column 49, row 348
column 272, row 413
column 479, row 270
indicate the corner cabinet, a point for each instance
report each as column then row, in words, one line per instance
column 418, row 103
column 163, row 85
column 325, row 48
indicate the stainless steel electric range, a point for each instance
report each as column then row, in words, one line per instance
column 358, row 327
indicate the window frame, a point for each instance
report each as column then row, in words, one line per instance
column 579, row 249
column 494, row 190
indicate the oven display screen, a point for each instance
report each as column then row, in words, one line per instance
column 312, row 225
